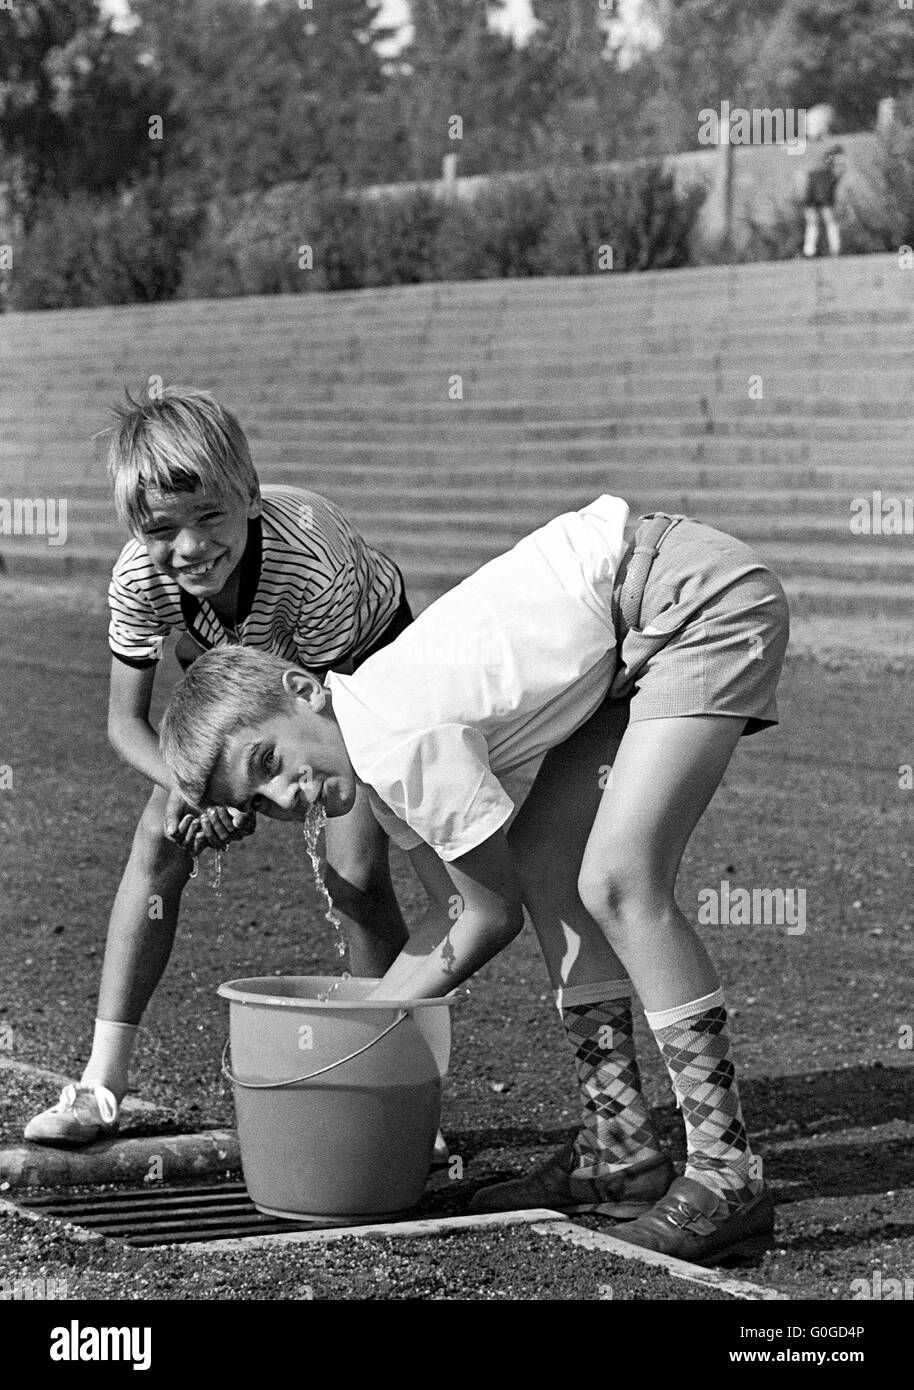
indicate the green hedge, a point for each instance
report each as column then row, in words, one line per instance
column 515, row 227
column 84, row 252
column 884, row 219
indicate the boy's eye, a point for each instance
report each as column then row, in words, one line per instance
column 269, row 761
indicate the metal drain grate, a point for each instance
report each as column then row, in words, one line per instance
column 167, row 1215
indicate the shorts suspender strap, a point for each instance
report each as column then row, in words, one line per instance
column 642, row 557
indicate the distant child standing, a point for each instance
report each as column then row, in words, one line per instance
column 635, row 665
column 819, row 201
column 218, row 560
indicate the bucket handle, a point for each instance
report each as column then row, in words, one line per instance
column 321, row 1071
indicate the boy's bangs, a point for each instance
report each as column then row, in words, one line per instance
column 154, row 477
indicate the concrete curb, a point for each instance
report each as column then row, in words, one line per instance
column 543, row 1221
column 679, row 1269
column 164, row 1157
column 431, row 1226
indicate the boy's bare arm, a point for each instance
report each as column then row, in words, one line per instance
column 475, row 910
column 135, row 740
column 129, row 731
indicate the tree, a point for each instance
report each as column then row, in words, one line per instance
column 574, row 49
column 260, row 94
column 74, row 99
column 458, row 66
column 849, row 53
column 712, row 51
column 780, row 53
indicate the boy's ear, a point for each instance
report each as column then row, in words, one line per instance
column 306, row 687
column 255, row 506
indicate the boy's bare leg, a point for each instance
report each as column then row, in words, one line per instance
column 548, row 838
column 664, row 775
column 357, row 875
column 141, row 933
column 832, row 231
column 615, row 1157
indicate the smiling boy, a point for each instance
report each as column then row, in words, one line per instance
column 217, row 560
column 684, row 629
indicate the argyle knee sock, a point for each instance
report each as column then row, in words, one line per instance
column 696, row 1048
column 617, row 1128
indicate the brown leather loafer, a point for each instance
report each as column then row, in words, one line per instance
column 554, row 1184
column 692, row 1223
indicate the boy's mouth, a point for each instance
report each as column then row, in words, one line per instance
column 198, row 571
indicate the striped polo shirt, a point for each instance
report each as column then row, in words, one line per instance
column 311, row 590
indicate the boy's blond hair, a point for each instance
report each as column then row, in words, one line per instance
column 226, row 689
column 180, row 440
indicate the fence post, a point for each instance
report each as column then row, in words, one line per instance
column 449, row 177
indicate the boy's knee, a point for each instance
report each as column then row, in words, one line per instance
column 361, row 872
column 160, row 855
column 354, row 884
column 621, row 899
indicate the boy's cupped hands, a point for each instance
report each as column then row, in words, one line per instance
column 214, row 828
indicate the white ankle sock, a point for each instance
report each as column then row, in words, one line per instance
column 567, row 996
column 109, row 1061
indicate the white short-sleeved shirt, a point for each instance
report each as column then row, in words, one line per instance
column 447, row 725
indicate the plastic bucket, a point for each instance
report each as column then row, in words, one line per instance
column 337, row 1101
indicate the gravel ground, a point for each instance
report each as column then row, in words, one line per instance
column 818, row 1018
column 508, row 1263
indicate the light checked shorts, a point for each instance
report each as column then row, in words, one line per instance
column 702, row 630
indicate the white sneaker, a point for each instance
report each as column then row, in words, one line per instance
column 86, row 1111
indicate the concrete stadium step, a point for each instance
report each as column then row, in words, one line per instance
column 856, row 366
column 801, row 524
column 168, row 353
column 610, row 454
column 709, row 413
column 802, row 535
column 298, row 447
column 843, row 276
column 600, row 474
column 703, row 448
column 547, row 353
column 697, row 426
column 798, row 289
column 636, row 385
column 823, row 571
column 485, row 497
column 173, row 330
column 849, row 479
column 174, row 324
column 798, row 540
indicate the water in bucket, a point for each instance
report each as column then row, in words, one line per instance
column 338, row 1098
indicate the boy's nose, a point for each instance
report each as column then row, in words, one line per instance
column 189, row 543
column 287, row 796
